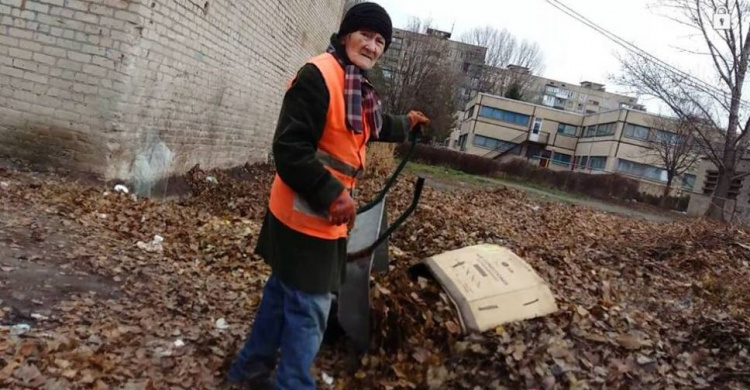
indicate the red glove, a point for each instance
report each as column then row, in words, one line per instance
column 343, row 210
column 417, row 118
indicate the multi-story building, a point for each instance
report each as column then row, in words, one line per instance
column 586, row 98
column 610, row 141
column 465, row 59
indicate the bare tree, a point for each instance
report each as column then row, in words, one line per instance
column 423, row 78
column 672, row 145
column 712, row 111
column 508, row 61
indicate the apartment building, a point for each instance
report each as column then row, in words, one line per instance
column 586, row 98
column 467, row 60
column 603, row 142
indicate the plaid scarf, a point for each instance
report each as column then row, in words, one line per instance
column 361, row 98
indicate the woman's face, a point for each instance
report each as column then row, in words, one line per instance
column 364, row 48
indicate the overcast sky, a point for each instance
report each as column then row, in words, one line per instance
column 572, row 51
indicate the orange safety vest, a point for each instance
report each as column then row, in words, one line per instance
column 340, row 150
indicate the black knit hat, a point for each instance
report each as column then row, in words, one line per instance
column 367, row 16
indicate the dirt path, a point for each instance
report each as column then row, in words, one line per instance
column 40, row 266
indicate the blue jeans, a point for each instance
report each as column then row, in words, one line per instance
column 288, row 320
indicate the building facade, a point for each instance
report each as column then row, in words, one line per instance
column 467, row 61
column 614, row 141
column 586, row 98
column 138, row 89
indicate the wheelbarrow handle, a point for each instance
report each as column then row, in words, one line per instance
column 396, row 224
column 391, row 180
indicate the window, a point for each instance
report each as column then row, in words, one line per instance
column 668, row 138
column 561, row 159
column 636, row 132
column 642, row 170
column 581, row 161
column 462, row 141
column 548, row 100
column 537, row 127
column 471, row 112
column 600, row 130
column 598, row 162
column 566, row 129
column 688, row 181
column 492, row 143
column 505, row 116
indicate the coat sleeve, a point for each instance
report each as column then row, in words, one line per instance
column 395, row 129
column 300, row 126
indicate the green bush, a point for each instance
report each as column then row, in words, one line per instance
column 679, row 203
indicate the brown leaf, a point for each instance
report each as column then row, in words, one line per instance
column 630, row 342
column 27, row 349
column 69, row 373
column 453, row 327
column 421, row 355
column 437, row 376
column 596, row 338
column 398, row 371
column 57, row 384
column 8, row 370
column 29, row 375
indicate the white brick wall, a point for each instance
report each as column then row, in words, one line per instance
column 144, row 88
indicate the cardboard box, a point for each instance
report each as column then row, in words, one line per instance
column 490, row 286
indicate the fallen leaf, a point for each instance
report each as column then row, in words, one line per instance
column 8, row 370
column 29, row 375
column 452, row 327
column 629, row 342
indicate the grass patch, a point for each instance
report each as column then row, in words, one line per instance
column 450, row 174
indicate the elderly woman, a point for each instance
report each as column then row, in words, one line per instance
column 329, row 114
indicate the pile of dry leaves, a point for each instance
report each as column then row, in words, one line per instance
column 642, row 304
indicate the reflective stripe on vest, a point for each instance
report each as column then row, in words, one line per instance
column 338, row 165
column 341, row 152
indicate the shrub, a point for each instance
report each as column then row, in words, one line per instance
column 603, row 186
column 464, row 162
column 380, row 159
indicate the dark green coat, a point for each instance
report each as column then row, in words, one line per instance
column 303, row 262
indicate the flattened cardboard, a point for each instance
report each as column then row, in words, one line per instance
column 490, row 286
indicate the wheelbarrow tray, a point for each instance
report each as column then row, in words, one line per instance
column 367, row 252
column 353, row 301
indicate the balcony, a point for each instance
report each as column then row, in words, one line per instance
column 541, row 137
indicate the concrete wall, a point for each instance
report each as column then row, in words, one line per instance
column 144, row 88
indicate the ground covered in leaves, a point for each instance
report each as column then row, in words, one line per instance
column 90, row 298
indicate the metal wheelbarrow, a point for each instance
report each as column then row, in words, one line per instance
column 367, row 252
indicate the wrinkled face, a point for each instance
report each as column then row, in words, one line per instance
column 364, row 48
